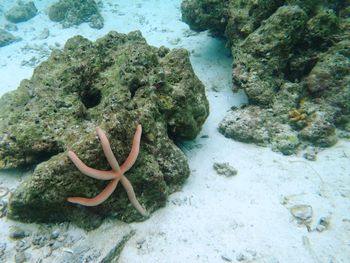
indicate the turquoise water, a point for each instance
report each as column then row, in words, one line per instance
column 212, row 218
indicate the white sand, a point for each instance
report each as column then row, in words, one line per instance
column 213, row 217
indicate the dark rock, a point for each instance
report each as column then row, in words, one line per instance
column 7, row 38
column 114, row 83
column 75, row 12
column 22, row 12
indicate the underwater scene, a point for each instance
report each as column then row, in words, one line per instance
column 175, row 131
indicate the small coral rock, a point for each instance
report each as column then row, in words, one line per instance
column 22, row 12
column 6, row 38
column 225, row 169
column 75, row 12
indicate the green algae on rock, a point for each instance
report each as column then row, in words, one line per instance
column 75, row 12
column 114, row 83
column 281, row 49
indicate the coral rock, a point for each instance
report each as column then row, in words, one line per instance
column 115, row 83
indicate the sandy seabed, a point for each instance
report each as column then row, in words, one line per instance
column 245, row 218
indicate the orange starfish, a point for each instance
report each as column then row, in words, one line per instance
column 116, row 174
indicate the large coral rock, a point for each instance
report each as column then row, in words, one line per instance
column 291, row 58
column 262, row 58
column 114, row 83
column 75, row 12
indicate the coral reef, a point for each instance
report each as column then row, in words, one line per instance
column 115, row 83
column 291, row 58
column 75, row 12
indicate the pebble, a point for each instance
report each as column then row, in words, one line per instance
column 302, row 212
column 226, row 258
column 225, row 169
column 323, row 223
column 55, row 234
column 234, row 224
column 18, row 233
column 140, row 242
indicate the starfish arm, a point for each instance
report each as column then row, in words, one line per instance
column 107, row 149
column 132, row 197
column 98, row 174
column 129, row 162
column 98, row 199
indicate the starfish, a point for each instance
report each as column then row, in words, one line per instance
column 116, row 174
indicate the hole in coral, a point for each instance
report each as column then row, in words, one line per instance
column 91, row 97
column 134, row 85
